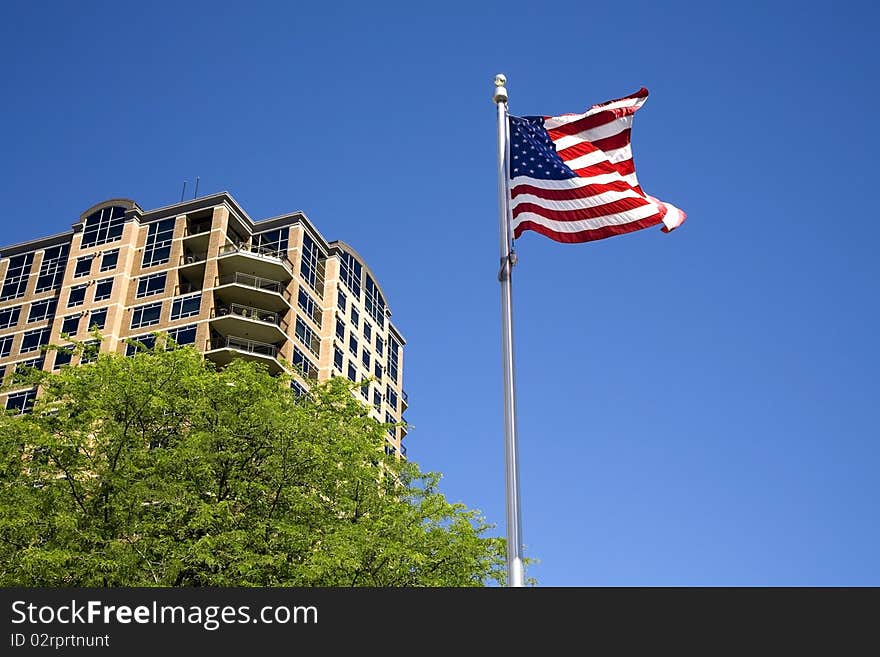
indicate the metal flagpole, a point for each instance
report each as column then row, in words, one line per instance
column 508, row 259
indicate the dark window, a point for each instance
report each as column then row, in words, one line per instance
column 186, row 306
column 34, row 339
column 272, row 242
column 90, row 351
column 377, row 399
column 157, row 249
column 9, row 316
column 98, row 318
column 140, row 343
column 109, row 260
column 377, row 370
column 368, row 332
column 301, row 361
column 22, row 369
column 309, row 306
column 21, row 401
column 341, row 300
column 311, row 266
column 6, row 345
column 373, row 301
column 365, row 359
column 41, row 310
column 15, row 283
column 338, row 359
column 352, row 372
column 353, row 345
column 380, row 346
column 183, row 335
column 103, row 289
column 83, row 266
column 392, row 397
column 340, row 329
column 350, row 271
column 390, row 421
column 103, row 226
column 393, row 359
column 365, row 392
column 62, row 357
column 70, row 324
column 77, row 295
column 307, row 336
column 298, row 390
column 52, row 268
column 152, row 284
column 355, row 318
column 146, row 315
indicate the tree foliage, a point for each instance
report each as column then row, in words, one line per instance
column 157, row 470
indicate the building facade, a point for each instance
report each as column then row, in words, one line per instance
column 274, row 291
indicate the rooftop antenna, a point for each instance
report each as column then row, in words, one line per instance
column 183, row 191
column 197, row 187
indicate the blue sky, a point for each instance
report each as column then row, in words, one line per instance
column 697, row 408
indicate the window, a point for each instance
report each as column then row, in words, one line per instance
column 146, row 315
column 350, row 273
column 83, row 266
column 103, row 289
column 90, row 351
column 9, row 316
column 309, row 306
column 352, row 372
column 393, row 359
column 150, row 285
column 353, row 345
column 98, row 318
column 15, row 283
column 377, row 399
column 373, row 301
column 377, row 370
column 109, row 260
column 390, row 421
column 380, row 346
column 22, row 369
column 41, row 310
column 103, row 226
column 307, row 336
column 368, row 332
column 340, row 328
column 6, row 345
column 391, row 395
column 77, row 295
column 157, row 249
column 365, row 392
column 355, row 318
column 303, row 363
column 52, row 268
column 186, row 306
column 34, row 339
column 298, row 390
column 341, row 300
column 311, row 266
column 273, row 242
column 70, row 325
column 365, row 359
column 338, row 358
column 21, row 401
column 62, row 357
column 140, row 343
column 183, row 335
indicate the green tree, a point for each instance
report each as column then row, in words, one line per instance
column 157, row 470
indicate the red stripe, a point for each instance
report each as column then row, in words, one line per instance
column 573, row 192
column 587, row 235
column 589, row 122
column 604, row 210
column 613, row 142
column 576, row 150
column 624, row 168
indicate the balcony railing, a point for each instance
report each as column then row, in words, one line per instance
column 251, row 346
column 405, row 397
column 262, row 251
column 197, row 229
column 249, row 312
column 192, row 258
column 256, row 282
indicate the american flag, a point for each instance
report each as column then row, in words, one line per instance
column 572, row 177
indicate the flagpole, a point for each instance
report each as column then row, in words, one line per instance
column 508, row 259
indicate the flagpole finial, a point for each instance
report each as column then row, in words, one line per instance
column 500, row 95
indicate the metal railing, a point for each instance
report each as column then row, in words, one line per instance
column 262, row 251
column 257, row 282
column 192, row 258
column 249, row 312
column 197, row 228
column 251, row 346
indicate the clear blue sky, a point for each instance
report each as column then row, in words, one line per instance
column 697, row 408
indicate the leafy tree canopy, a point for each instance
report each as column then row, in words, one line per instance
column 157, row 470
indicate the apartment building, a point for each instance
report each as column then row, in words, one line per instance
column 203, row 271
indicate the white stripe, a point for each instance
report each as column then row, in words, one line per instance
column 615, row 156
column 556, row 121
column 575, row 183
column 616, row 219
column 578, row 203
column 595, row 134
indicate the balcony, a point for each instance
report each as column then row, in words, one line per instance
column 246, row 289
column 224, row 349
column 254, row 260
column 251, row 323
